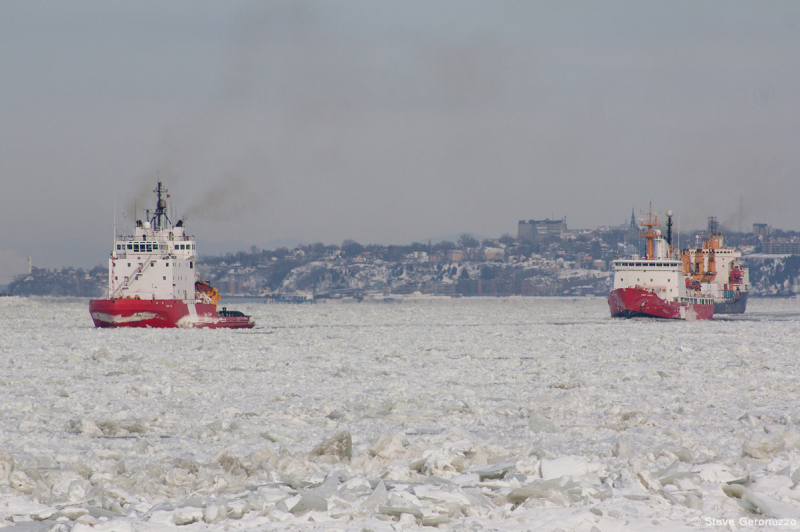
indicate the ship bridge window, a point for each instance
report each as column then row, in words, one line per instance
column 149, row 247
column 130, row 246
column 155, row 246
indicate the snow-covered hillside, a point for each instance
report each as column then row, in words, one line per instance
column 772, row 275
column 321, row 277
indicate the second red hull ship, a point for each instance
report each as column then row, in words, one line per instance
column 636, row 302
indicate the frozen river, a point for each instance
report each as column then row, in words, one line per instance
column 466, row 414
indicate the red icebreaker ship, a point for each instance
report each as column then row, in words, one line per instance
column 656, row 286
column 151, row 281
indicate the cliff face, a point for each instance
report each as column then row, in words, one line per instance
column 774, row 276
column 65, row 282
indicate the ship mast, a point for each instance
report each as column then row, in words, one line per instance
column 161, row 208
column 652, row 221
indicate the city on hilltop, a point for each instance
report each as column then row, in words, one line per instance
column 544, row 258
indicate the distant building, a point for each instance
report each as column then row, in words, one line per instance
column 439, row 289
column 494, row 253
column 528, row 288
column 782, row 247
column 455, row 255
column 762, row 230
column 420, row 256
column 231, row 287
column 531, row 229
column 526, row 231
column 485, row 287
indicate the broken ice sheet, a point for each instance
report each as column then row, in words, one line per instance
column 225, row 436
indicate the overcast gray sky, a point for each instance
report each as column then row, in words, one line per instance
column 389, row 122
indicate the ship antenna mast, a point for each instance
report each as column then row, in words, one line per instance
column 161, row 208
column 114, row 249
column 651, row 222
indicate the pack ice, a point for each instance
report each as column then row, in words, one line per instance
column 470, row 414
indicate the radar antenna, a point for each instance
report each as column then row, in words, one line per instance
column 161, row 209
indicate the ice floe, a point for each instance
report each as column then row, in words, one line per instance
column 481, row 414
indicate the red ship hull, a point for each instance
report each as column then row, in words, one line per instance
column 162, row 313
column 635, row 302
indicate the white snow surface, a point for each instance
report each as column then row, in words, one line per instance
column 464, row 414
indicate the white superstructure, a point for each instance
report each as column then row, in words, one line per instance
column 156, row 262
column 662, row 274
column 718, row 278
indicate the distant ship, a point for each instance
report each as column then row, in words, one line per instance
column 152, row 281
column 720, row 271
column 656, row 286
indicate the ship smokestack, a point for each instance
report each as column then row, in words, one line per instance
column 669, row 229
